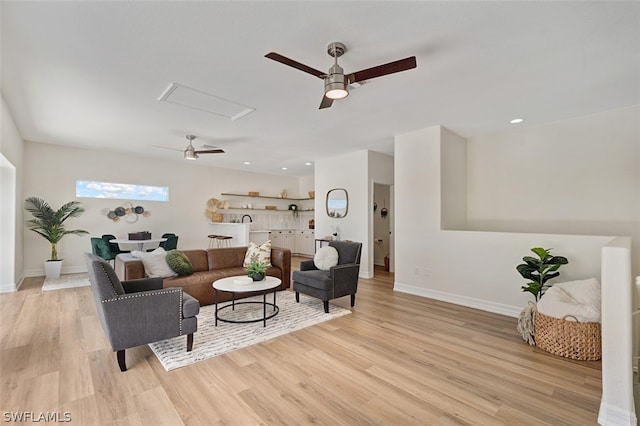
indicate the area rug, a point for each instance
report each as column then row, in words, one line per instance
column 210, row 341
column 66, row 281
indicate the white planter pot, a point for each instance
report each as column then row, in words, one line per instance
column 52, row 268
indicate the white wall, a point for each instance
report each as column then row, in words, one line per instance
column 577, row 176
column 356, row 172
column 347, row 171
column 11, row 236
column 53, row 170
column 469, row 268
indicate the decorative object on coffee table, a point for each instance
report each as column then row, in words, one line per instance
column 256, row 270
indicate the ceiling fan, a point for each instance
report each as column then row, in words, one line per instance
column 190, row 153
column 335, row 81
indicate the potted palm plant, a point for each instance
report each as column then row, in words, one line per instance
column 49, row 224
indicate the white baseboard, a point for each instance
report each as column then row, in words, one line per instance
column 11, row 287
column 8, row 288
column 614, row 416
column 484, row 305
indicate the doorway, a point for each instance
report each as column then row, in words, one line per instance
column 382, row 228
column 7, row 225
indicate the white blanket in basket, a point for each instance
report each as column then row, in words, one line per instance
column 580, row 299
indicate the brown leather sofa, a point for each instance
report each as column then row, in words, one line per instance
column 208, row 266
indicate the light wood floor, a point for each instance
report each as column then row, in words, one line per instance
column 396, row 360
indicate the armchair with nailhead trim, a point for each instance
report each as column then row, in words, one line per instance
column 138, row 312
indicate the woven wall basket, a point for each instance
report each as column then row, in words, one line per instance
column 570, row 339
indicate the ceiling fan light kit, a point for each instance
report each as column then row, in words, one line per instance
column 335, row 84
column 335, row 81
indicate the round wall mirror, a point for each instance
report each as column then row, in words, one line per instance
column 337, row 202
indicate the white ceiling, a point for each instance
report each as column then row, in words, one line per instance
column 88, row 74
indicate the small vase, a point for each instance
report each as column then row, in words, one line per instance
column 257, row 277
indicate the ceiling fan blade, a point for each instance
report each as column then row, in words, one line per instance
column 297, row 65
column 386, row 69
column 166, row 147
column 210, row 151
column 326, row 102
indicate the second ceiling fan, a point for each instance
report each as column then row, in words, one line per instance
column 335, row 81
column 190, row 153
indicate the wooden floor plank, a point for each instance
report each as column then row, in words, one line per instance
column 397, row 359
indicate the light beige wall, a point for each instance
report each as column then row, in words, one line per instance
column 53, row 170
column 470, row 268
column 453, row 172
column 577, row 176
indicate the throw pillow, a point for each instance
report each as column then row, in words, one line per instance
column 155, row 264
column 179, row 262
column 326, row 257
column 258, row 253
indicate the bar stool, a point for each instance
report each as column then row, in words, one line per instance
column 220, row 240
column 212, row 238
column 224, row 240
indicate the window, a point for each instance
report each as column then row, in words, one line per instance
column 123, row 191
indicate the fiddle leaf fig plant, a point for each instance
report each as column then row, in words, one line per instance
column 540, row 270
column 49, row 223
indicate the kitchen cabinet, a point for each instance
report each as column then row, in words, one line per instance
column 284, row 238
column 305, row 242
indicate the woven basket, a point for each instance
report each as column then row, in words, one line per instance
column 216, row 217
column 570, row 339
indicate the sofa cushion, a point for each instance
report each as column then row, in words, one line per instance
column 256, row 253
column 317, row 279
column 179, row 262
column 348, row 252
column 227, row 257
column 155, row 264
column 198, row 258
column 325, row 258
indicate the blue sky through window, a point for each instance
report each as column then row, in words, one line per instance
column 122, row 191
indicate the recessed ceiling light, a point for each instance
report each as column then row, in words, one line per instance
column 307, row 164
column 284, row 168
column 516, row 121
column 246, row 162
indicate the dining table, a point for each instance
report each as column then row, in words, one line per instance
column 139, row 243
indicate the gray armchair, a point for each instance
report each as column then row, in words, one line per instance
column 341, row 280
column 139, row 312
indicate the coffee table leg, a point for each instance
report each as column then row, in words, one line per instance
column 215, row 299
column 264, row 308
column 274, row 299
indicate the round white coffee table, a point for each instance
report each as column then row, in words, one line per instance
column 230, row 285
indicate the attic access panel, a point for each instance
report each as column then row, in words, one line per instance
column 197, row 99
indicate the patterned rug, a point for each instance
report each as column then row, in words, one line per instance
column 210, row 341
column 66, row 281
